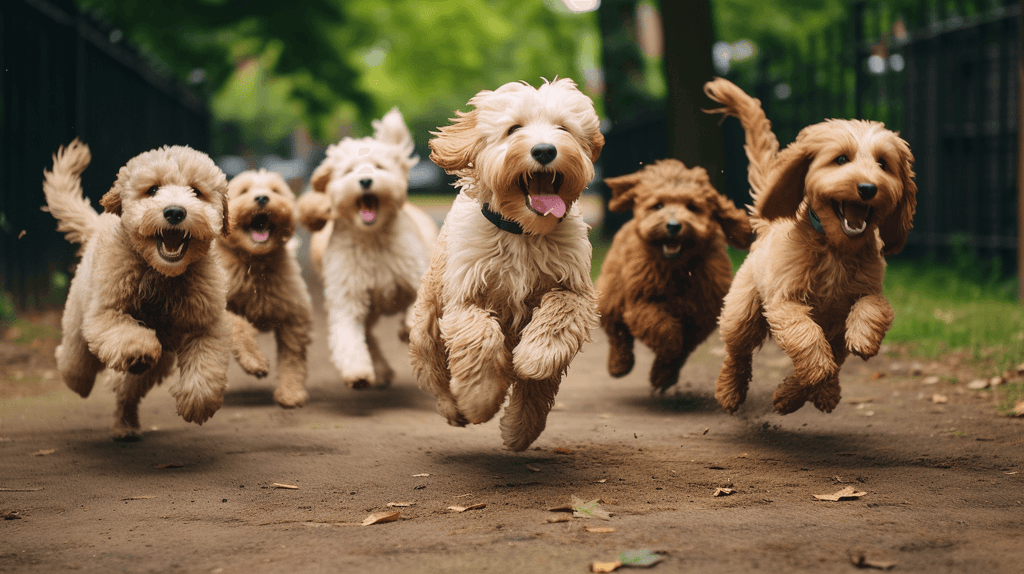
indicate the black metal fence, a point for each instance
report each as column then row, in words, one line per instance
column 63, row 75
column 942, row 73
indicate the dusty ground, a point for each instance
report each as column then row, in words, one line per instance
column 942, row 480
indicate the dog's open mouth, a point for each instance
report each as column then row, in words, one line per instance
column 368, row 206
column 671, row 249
column 541, row 191
column 260, row 228
column 172, row 244
column 853, row 216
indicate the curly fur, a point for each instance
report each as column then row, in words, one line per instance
column 371, row 247
column 147, row 293
column 819, row 294
column 501, row 314
column 667, row 271
column 265, row 283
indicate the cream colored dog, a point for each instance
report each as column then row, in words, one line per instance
column 264, row 280
column 372, row 246
column 508, row 300
column 147, row 292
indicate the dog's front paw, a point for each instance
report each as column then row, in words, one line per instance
column 254, row 363
column 199, row 410
column 126, row 433
column 790, row 396
column 620, row 361
column 863, row 344
column 360, row 379
column 730, row 396
column 314, row 210
column 291, row 398
column 538, row 361
column 138, row 354
column 826, row 396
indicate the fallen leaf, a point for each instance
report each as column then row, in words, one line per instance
column 602, row 481
column 288, row 486
column 706, row 429
column 932, row 380
column 723, row 491
column 940, row 399
column 555, row 519
column 877, row 375
column 422, row 474
column 1018, row 409
column 848, row 493
column 1011, row 472
column 996, row 381
column 566, row 508
column 381, row 518
column 44, row 452
column 978, row 384
column 169, row 465
column 10, row 515
column 590, row 509
column 470, row 507
column 400, row 504
column 744, row 455
column 860, row 561
column 147, row 497
column 605, row 566
column 860, row 400
column 643, row 558
column 562, row 450
column 532, row 467
column 599, row 529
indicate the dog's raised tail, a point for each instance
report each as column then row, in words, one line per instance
column 63, row 190
column 761, row 145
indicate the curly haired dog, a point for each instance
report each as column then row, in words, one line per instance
column 667, row 271
column 147, row 292
column 508, row 301
column 264, row 279
column 371, row 246
column 827, row 209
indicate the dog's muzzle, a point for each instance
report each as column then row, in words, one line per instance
column 171, row 244
column 853, row 216
column 540, row 190
column 368, row 205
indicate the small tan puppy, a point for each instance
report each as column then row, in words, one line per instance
column 264, row 279
column 827, row 209
column 508, row 301
column 148, row 294
column 667, row 271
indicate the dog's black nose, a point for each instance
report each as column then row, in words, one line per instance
column 544, row 153
column 365, row 183
column 673, row 227
column 262, row 200
column 174, row 214
column 867, row 190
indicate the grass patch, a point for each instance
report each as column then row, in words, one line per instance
column 25, row 332
column 1009, row 396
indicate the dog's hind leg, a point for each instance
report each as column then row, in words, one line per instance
column 76, row 364
column 743, row 329
column 429, row 359
column 382, row 371
column 826, row 395
column 243, row 347
column 527, row 412
column 203, row 366
column 292, row 342
column 129, row 390
column 477, row 360
column 620, row 349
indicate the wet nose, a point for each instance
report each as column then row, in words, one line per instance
column 262, row 200
column 867, row 190
column 365, row 183
column 673, row 227
column 544, row 153
column 174, row 214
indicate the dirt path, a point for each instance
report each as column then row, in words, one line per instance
column 942, row 481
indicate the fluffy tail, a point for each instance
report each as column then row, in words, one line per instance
column 761, row 144
column 63, row 190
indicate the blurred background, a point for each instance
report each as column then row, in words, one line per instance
column 264, row 83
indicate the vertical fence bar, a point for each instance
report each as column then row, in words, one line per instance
column 1020, row 156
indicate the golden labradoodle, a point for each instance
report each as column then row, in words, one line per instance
column 827, row 209
column 264, row 279
column 667, row 271
column 508, row 301
column 147, row 294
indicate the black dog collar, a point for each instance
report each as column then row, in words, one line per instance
column 815, row 221
column 500, row 222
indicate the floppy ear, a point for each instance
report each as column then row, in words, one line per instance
column 454, row 146
column 735, row 222
column 785, row 186
column 111, row 201
column 622, row 191
column 391, row 129
column 320, row 178
column 596, row 145
column 896, row 227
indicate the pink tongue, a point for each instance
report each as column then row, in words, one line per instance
column 367, row 215
column 261, row 236
column 546, row 204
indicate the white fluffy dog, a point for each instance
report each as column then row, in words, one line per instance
column 508, row 300
column 372, row 248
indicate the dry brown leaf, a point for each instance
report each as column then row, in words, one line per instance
column 860, row 400
column 422, row 474
column 566, row 508
column 602, row 481
column 288, row 486
column 848, row 493
column 146, row 497
column 940, row 399
column 599, row 529
column 877, row 375
column 555, row 519
column 859, row 560
column 1018, row 409
column 605, row 566
column 978, row 384
column 44, row 452
column 400, row 504
column 381, row 518
column 723, row 491
column 563, row 450
column 532, row 467
column 932, row 380
column 477, row 506
column 591, row 509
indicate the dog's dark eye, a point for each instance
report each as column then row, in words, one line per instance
column 198, row 193
column 513, row 129
column 657, row 206
column 842, row 159
column 882, row 164
column 693, row 207
column 152, row 191
column 563, row 128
